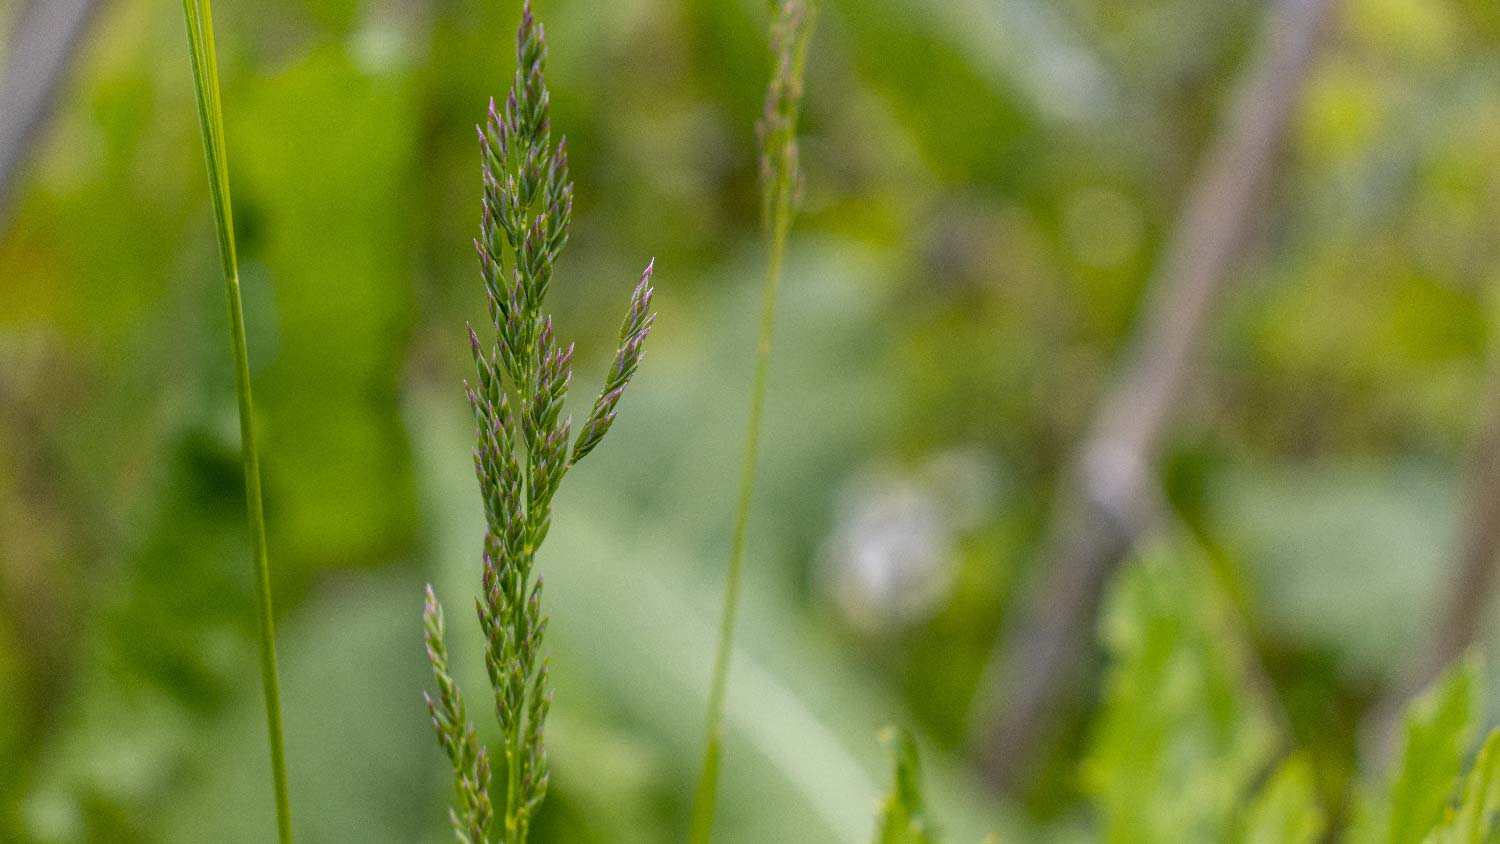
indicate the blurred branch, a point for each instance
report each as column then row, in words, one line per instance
column 1471, row 591
column 1109, row 495
column 47, row 38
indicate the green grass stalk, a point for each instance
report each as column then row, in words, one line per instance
column 199, row 17
column 791, row 27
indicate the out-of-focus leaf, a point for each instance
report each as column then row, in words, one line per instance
column 947, row 102
column 903, row 813
column 1306, row 532
column 1180, row 737
column 1438, row 729
column 357, row 736
column 1475, row 820
column 1286, row 811
column 324, row 146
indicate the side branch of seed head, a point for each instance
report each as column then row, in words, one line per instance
column 633, row 333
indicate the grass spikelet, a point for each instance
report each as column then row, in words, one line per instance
column 472, row 813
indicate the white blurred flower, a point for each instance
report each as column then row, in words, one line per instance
column 890, row 560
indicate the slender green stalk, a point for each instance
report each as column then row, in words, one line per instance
column 199, row 16
column 791, row 27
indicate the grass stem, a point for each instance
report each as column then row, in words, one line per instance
column 199, row 17
column 706, row 800
column 791, row 28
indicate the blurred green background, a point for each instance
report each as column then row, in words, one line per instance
column 989, row 183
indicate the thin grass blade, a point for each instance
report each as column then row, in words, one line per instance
column 199, row 17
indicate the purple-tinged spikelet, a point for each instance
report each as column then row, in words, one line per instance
column 525, row 444
column 472, row 814
column 633, row 333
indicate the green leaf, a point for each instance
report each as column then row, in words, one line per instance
column 1286, row 810
column 1475, row 819
column 1180, row 737
column 326, row 181
column 1439, row 727
column 903, row 813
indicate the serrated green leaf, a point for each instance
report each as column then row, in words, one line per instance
column 1180, row 738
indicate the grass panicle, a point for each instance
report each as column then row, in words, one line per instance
column 525, row 444
column 200, row 29
column 781, row 189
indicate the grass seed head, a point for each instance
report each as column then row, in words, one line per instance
column 525, row 443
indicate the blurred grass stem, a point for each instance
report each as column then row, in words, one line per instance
column 199, row 17
column 791, row 28
column 703, row 806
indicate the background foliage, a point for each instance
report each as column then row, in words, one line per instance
column 988, row 184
